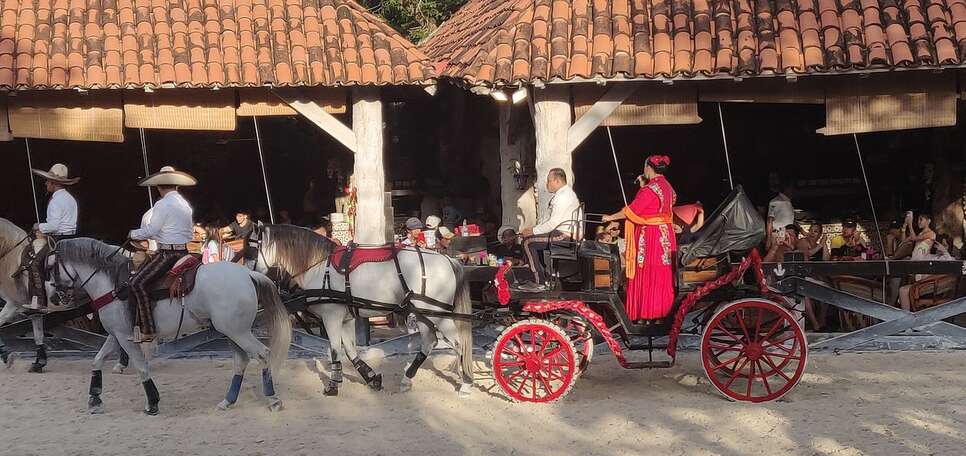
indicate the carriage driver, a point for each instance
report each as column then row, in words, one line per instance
column 170, row 225
column 60, row 223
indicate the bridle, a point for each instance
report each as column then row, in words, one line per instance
column 66, row 295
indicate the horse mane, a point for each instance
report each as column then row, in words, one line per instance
column 297, row 249
column 10, row 235
column 96, row 255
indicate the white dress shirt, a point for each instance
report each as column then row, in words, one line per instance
column 61, row 214
column 169, row 221
column 564, row 211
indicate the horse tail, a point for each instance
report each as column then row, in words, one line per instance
column 463, row 305
column 280, row 325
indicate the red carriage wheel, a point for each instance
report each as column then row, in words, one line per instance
column 534, row 361
column 581, row 335
column 754, row 350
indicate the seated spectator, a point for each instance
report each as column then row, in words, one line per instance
column 214, row 248
column 922, row 239
column 610, row 233
column 942, row 254
column 443, row 245
column 848, row 244
column 893, row 239
column 241, row 229
column 787, row 242
column 509, row 248
column 324, row 228
column 812, row 243
column 414, row 233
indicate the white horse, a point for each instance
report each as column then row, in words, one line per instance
column 226, row 297
column 303, row 256
column 13, row 291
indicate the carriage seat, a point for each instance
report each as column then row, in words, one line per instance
column 346, row 259
column 179, row 281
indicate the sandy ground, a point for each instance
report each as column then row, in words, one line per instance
column 873, row 403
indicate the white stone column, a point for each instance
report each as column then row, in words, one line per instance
column 369, row 171
column 519, row 206
column 551, row 122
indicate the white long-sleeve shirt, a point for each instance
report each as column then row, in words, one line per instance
column 564, row 214
column 169, row 222
column 61, row 214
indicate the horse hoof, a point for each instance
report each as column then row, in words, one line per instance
column 152, row 410
column 224, row 405
column 376, row 383
column 8, row 359
column 331, row 392
column 464, row 390
column 95, row 410
column 275, row 406
column 36, row 368
column 118, row 369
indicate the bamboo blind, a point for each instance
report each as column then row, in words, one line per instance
column 890, row 102
column 649, row 105
column 94, row 116
column 258, row 102
column 181, row 110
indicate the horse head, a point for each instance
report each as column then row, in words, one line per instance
column 74, row 265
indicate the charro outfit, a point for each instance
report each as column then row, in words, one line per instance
column 560, row 228
column 650, row 251
column 171, row 226
column 60, row 223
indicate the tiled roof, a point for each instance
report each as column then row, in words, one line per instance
column 511, row 41
column 47, row 44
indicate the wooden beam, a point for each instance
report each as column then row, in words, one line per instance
column 603, row 108
column 308, row 108
column 369, row 171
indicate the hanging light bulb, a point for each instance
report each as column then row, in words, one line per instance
column 500, row 96
column 519, row 95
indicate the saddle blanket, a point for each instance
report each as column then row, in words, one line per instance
column 347, row 259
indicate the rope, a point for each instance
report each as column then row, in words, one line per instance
column 144, row 158
column 33, row 185
column 261, row 159
column 868, row 191
column 617, row 165
column 724, row 140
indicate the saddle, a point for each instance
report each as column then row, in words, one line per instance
column 179, row 281
column 347, row 259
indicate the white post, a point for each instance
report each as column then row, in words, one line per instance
column 519, row 206
column 369, row 173
column 551, row 122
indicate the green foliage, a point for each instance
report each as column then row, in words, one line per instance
column 416, row 19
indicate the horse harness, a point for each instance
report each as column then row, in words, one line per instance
column 344, row 268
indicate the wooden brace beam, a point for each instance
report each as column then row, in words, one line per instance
column 608, row 103
column 317, row 115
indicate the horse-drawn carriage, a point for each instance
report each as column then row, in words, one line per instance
column 752, row 347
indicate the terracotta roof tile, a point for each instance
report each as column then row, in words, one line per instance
column 52, row 44
column 495, row 42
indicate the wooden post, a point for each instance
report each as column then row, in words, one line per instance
column 519, row 206
column 551, row 123
column 369, row 172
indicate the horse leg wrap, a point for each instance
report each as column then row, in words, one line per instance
column 151, row 391
column 332, row 389
column 267, row 383
column 124, row 359
column 372, row 379
column 4, row 354
column 41, row 361
column 95, row 390
column 232, row 396
column 418, row 361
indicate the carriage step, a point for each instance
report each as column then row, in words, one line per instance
column 650, row 365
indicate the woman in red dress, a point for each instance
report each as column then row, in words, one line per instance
column 650, row 244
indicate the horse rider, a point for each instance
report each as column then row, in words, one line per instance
column 60, row 223
column 170, row 226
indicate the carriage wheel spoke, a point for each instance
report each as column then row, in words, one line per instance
column 510, row 378
column 741, row 323
column 735, row 374
column 513, row 364
column 546, row 385
column 729, row 333
column 751, row 379
column 774, row 327
column 725, row 348
column 780, row 342
column 533, row 385
column 777, row 369
column 790, row 357
column 721, row 364
column 764, row 379
column 758, row 324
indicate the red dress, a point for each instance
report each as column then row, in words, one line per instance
column 650, row 251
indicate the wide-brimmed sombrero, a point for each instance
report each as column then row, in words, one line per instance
column 58, row 173
column 168, row 176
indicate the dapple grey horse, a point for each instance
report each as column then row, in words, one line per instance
column 13, row 291
column 226, row 297
column 303, row 256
